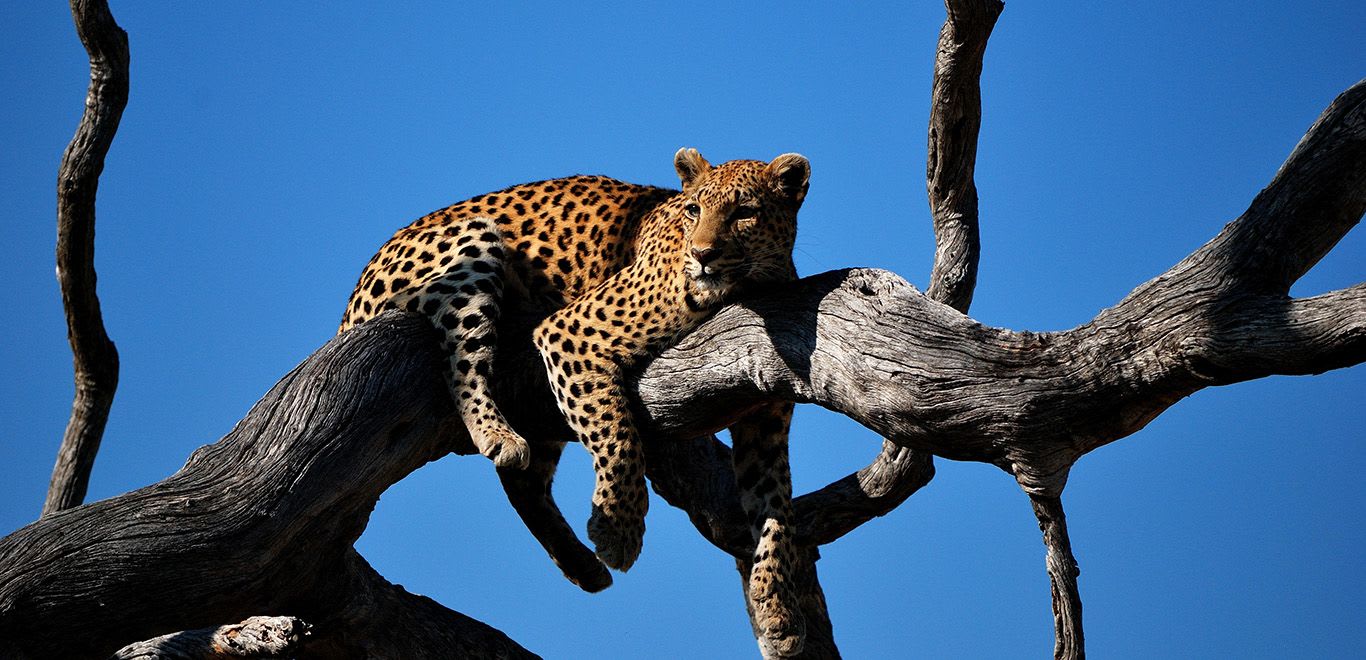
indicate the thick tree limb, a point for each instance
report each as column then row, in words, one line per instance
column 261, row 522
column 866, row 344
column 95, row 359
column 1318, row 194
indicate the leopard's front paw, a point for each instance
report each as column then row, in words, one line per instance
column 617, row 537
column 503, row 446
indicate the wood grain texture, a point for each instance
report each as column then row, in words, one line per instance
column 261, row 522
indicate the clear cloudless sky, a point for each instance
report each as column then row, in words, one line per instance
column 269, row 148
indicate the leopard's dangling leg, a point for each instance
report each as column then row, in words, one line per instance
column 529, row 492
column 463, row 301
column 587, row 382
column 764, row 479
column 620, row 499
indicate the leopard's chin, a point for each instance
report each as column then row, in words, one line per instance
column 711, row 284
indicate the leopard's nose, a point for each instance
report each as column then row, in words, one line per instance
column 705, row 254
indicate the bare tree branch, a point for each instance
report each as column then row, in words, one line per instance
column 1069, row 640
column 865, row 343
column 96, row 360
column 1316, row 197
column 955, row 119
column 261, row 522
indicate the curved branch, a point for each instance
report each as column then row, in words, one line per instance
column 262, row 521
column 1316, row 197
column 839, row 508
column 1271, row 335
column 955, row 120
column 96, row 360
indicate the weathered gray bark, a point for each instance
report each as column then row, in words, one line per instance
column 95, row 359
column 955, row 119
column 1069, row 641
column 260, row 523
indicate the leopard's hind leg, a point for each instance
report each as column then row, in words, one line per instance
column 462, row 298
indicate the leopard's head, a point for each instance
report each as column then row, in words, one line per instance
column 743, row 219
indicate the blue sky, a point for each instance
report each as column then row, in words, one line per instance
column 269, row 149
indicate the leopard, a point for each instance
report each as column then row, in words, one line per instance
column 621, row 272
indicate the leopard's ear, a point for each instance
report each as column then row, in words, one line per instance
column 792, row 173
column 690, row 166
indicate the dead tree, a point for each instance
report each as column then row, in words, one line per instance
column 262, row 522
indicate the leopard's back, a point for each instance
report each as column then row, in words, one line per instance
column 555, row 239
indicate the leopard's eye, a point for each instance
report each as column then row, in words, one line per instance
column 744, row 212
column 692, row 210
